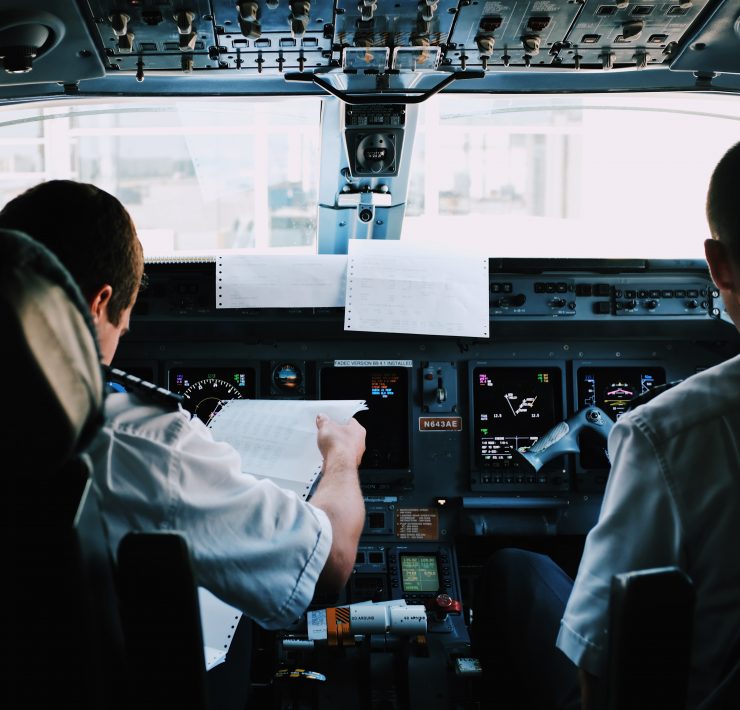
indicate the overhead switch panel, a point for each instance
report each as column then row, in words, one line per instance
column 272, row 37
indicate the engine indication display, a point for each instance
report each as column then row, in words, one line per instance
column 512, row 408
column 203, row 389
column 611, row 388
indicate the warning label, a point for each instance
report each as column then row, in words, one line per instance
column 417, row 524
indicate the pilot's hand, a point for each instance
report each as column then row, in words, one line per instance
column 339, row 496
column 340, row 440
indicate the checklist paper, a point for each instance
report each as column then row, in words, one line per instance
column 397, row 288
column 280, row 281
column 276, row 439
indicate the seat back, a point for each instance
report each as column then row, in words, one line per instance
column 650, row 632
column 59, row 604
column 54, row 384
column 161, row 617
column 726, row 696
column 60, row 613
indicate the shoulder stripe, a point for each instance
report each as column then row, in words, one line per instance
column 148, row 391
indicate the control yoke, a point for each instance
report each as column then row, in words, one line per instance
column 563, row 437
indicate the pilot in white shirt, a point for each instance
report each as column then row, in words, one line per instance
column 671, row 499
column 254, row 545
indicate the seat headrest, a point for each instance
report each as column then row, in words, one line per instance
column 53, row 391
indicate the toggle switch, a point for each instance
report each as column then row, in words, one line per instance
column 119, row 23
column 439, row 387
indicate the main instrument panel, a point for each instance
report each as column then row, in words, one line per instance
column 445, row 414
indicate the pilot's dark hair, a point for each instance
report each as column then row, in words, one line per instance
column 723, row 203
column 90, row 232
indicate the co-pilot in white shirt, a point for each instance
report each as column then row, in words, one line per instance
column 254, row 545
column 673, row 498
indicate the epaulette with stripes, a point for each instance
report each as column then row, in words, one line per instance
column 651, row 394
column 147, row 391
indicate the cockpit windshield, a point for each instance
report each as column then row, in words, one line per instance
column 547, row 175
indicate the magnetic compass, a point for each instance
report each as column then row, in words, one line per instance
column 202, row 398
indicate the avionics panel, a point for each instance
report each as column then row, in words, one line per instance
column 203, row 387
column 512, row 406
column 420, row 571
column 416, row 571
column 610, row 386
column 386, row 389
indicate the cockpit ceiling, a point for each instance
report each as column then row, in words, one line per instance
column 368, row 46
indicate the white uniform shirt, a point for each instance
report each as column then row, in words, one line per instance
column 254, row 545
column 673, row 498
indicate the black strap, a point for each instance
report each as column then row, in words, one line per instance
column 147, row 391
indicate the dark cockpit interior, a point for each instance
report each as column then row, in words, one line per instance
column 564, row 147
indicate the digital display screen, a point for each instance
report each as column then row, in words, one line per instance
column 203, row 388
column 610, row 388
column 386, row 391
column 419, row 573
column 512, row 408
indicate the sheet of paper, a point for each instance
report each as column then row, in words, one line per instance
column 397, row 288
column 280, row 281
column 214, row 657
column 218, row 622
column 277, row 438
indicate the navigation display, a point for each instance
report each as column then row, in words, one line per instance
column 512, row 408
column 610, row 388
column 419, row 573
column 203, row 388
column 386, row 391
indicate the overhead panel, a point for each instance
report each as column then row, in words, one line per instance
column 595, row 34
column 252, row 36
column 510, row 33
column 395, row 25
column 361, row 38
column 153, row 35
column 626, row 34
column 274, row 36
